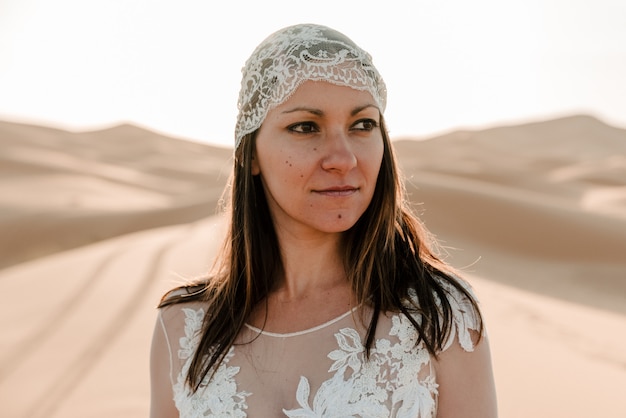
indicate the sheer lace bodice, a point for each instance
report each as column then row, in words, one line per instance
column 320, row 372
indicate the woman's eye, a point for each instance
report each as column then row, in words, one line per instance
column 365, row 125
column 303, row 127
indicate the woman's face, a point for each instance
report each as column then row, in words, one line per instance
column 318, row 155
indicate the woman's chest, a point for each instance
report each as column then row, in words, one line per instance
column 319, row 374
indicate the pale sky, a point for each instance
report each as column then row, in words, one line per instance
column 174, row 66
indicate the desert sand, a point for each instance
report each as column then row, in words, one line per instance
column 95, row 226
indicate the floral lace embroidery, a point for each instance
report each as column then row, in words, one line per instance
column 223, row 399
column 393, row 370
column 297, row 53
column 464, row 318
column 395, row 382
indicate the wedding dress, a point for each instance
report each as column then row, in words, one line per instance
column 317, row 372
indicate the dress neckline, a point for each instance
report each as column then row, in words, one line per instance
column 303, row 332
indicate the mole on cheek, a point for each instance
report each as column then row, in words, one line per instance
column 339, row 216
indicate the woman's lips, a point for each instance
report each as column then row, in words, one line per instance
column 339, row 191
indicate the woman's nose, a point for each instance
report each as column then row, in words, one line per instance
column 338, row 152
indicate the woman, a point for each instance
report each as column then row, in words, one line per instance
column 327, row 300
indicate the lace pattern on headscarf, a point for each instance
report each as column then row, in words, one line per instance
column 293, row 55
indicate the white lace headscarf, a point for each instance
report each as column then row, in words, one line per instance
column 293, row 55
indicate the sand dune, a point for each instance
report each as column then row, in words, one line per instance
column 77, row 188
column 96, row 225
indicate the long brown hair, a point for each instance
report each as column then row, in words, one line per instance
column 388, row 254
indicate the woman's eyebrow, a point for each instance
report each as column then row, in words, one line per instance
column 362, row 108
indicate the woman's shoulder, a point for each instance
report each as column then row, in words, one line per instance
column 178, row 326
column 184, row 294
column 465, row 312
column 455, row 296
column 457, row 289
column 183, row 307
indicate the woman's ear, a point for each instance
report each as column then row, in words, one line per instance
column 254, row 165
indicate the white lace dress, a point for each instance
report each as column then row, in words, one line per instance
column 319, row 372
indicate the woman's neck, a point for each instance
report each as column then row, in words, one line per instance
column 310, row 265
